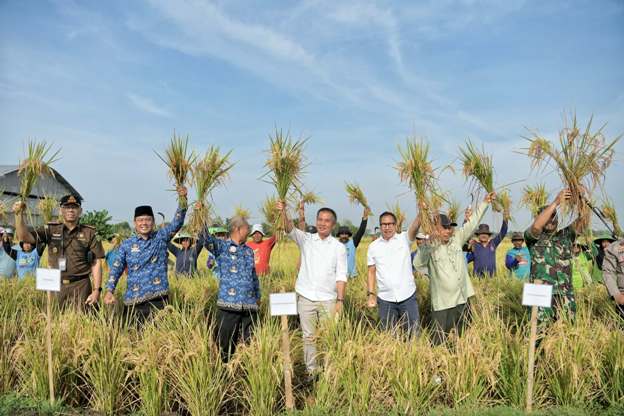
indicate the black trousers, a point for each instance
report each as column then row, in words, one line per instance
column 232, row 326
column 141, row 312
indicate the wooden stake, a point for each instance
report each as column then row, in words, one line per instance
column 49, row 342
column 290, row 401
column 531, row 369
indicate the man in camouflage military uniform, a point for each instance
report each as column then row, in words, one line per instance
column 551, row 258
column 73, row 248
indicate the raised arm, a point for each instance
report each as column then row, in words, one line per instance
column 360, row 232
column 288, row 224
column 501, row 234
column 172, row 248
column 544, row 217
column 171, row 229
column 466, row 230
column 21, row 228
column 6, row 245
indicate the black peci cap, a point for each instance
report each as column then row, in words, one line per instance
column 143, row 210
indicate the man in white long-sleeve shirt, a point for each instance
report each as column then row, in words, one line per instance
column 321, row 280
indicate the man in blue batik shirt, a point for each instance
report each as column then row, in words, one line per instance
column 145, row 255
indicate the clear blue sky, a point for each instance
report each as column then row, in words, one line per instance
column 109, row 81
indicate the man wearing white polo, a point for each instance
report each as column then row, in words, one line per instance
column 321, row 280
column 390, row 267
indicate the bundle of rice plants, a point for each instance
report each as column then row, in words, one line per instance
column 39, row 158
column 415, row 169
column 209, row 172
column 309, row 198
column 179, row 160
column 356, row 195
column 504, row 199
column 47, row 205
column 581, row 160
column 242, row 212
column 453, row 210
column 534, row 197
column 268, row 210
column 285, row 166
column 478, row 168
column 399, row 214
column 608, row 210
column 3, row 207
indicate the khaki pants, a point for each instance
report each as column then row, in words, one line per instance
column 74, row 294
column 310, row 314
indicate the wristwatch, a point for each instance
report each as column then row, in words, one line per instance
column 99, row 289
column 339, row 300
column 370, row 293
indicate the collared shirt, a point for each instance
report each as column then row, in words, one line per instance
column 551, row 258
column 393, row 267
column 519, row 269
column 323, row 263
column 74, row 245
column 449, row 281
column 239, row 288
column 146, row 260
column 613, row 267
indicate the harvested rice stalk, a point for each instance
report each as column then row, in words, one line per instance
column 285, row 166
column 356, row 195
column 478, row 168
column 415, row 169
column 242, row 212
column 209, row 172
column 309, row 198
column 453, row 210
column 46, row 207
column 504, row 199
column 534, row 197
column 179, row 160
column 399, row 214
column 36, row 164
column 608, row 209
column 581, row 158
column 269, row 211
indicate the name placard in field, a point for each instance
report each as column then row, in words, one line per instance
column 537, row 295
column 48, row 279
column 283, row 303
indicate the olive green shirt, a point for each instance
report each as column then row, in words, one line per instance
column 449, row 281
column 74, row 246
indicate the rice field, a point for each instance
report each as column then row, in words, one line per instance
column 172, row 366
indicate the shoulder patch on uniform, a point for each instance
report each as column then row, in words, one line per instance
column 88, row 226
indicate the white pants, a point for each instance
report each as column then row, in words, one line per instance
column 310, row 314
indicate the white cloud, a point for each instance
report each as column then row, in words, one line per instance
column 147, row 105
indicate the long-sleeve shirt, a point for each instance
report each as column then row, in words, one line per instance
column 146, row 259
column 323, row 264
column 186, row 259
column 613, row 268
column 485, row 255
column 351, row 246
column 520, row 269
column 450, row 283
column 239, row 287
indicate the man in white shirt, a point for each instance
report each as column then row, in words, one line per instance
column 390, row 266
column 321, row 280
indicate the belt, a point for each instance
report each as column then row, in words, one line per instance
column 74, row 279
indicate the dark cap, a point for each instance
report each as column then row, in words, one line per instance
column 143, row 210
column 70, row 200
column 445, row 221
column 343, row 229
column 311, row 229
column 483, row 229
column 517, row 236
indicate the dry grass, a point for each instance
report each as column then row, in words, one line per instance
column 179, row 160
column 242, row 212
column 46, row 207
column 454, row 209
column 608, row 209
column 581, row 158
column 310, row 198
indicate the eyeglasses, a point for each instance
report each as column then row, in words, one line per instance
column 387, row 224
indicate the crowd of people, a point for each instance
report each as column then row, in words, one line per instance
column 240, row 255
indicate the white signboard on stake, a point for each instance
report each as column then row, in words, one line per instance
column 48, row 279
column 537, row 295
column 283, row 303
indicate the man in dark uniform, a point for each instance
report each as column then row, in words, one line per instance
column 72, row 248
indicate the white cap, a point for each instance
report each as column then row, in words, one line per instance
column 8, row 230
column 1, row 230
column 257, row 228
column 422, row 236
